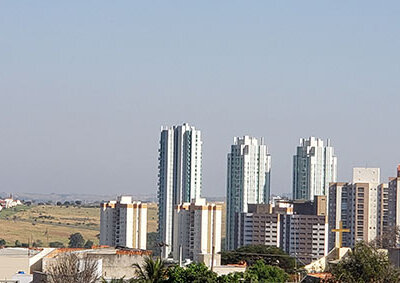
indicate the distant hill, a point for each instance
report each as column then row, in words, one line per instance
column 86, row 198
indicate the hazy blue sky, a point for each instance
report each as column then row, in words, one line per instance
column 86, row 85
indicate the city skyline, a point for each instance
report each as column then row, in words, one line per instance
column 82, row 100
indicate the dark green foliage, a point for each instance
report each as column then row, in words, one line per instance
column 18, row 243
column 2, row 242
column 56, row 245
column 266, row 273
column 76, row 241
column 89, row 244
column 194, row 272
column 231, row 278
column 365, row 264
column 37, row 243
column 252, row 253
column 152, row 270
column 198, row 273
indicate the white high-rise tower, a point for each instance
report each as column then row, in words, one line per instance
column 179, row 178
column 314, row 167
column 249, row 171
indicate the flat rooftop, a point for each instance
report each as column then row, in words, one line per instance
column 19, row 252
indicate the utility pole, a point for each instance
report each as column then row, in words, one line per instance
column 180, row 255
column 212, row 257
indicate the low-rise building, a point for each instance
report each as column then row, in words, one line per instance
column 21, row 260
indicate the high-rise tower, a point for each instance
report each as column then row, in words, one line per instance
column 179, row 178
column 314, row 167
column 248, row 182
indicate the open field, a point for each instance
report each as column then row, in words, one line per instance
column 25, row 232
column 48, row 223
column 26, row 223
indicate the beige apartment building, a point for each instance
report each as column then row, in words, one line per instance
column 300, row 229
column 197, row 232
column 123, row 223
column 357, row 206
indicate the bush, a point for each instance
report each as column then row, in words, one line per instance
column 56, row 245
column 76, row 241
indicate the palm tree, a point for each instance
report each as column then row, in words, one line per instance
column 151, row 271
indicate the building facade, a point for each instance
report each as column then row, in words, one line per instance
column 389, row 205
column 314, row 167
column 179, row 177
column 123, row 223
column 197, row 232
column 356, row 205
column 248, row 180
column 300, row 230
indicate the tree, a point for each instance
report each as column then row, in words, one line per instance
column 252, row 253
column 18, row 243
column 89, row 244
column 76, row 241
column 365, row 264
column 2, row 242
column 56, row 245
column 266, row 273
column 70, row 268
column 151, row 270
column 37, row 243
column 194, row 272
column 59, row 203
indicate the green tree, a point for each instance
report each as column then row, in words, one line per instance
column 152, row 270
column 37, row 243
column 56, row 245
column 365, row 264
column 18, row 243
column 266, row 273
column 194, row 272
column 251, row 254
column 89, row 244
column 76, row 241
column 2, row 242
column 231, row 278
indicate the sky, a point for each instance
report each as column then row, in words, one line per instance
column 86, row 85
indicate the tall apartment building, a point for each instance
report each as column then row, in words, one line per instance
column 301, row 229
column 248, row 180
column 179, row 177
column 356, row 204
column 123, row 223
column 197, row 232
column 314, row 167
column 389, row 205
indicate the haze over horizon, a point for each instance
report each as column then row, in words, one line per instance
column 86, row 86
